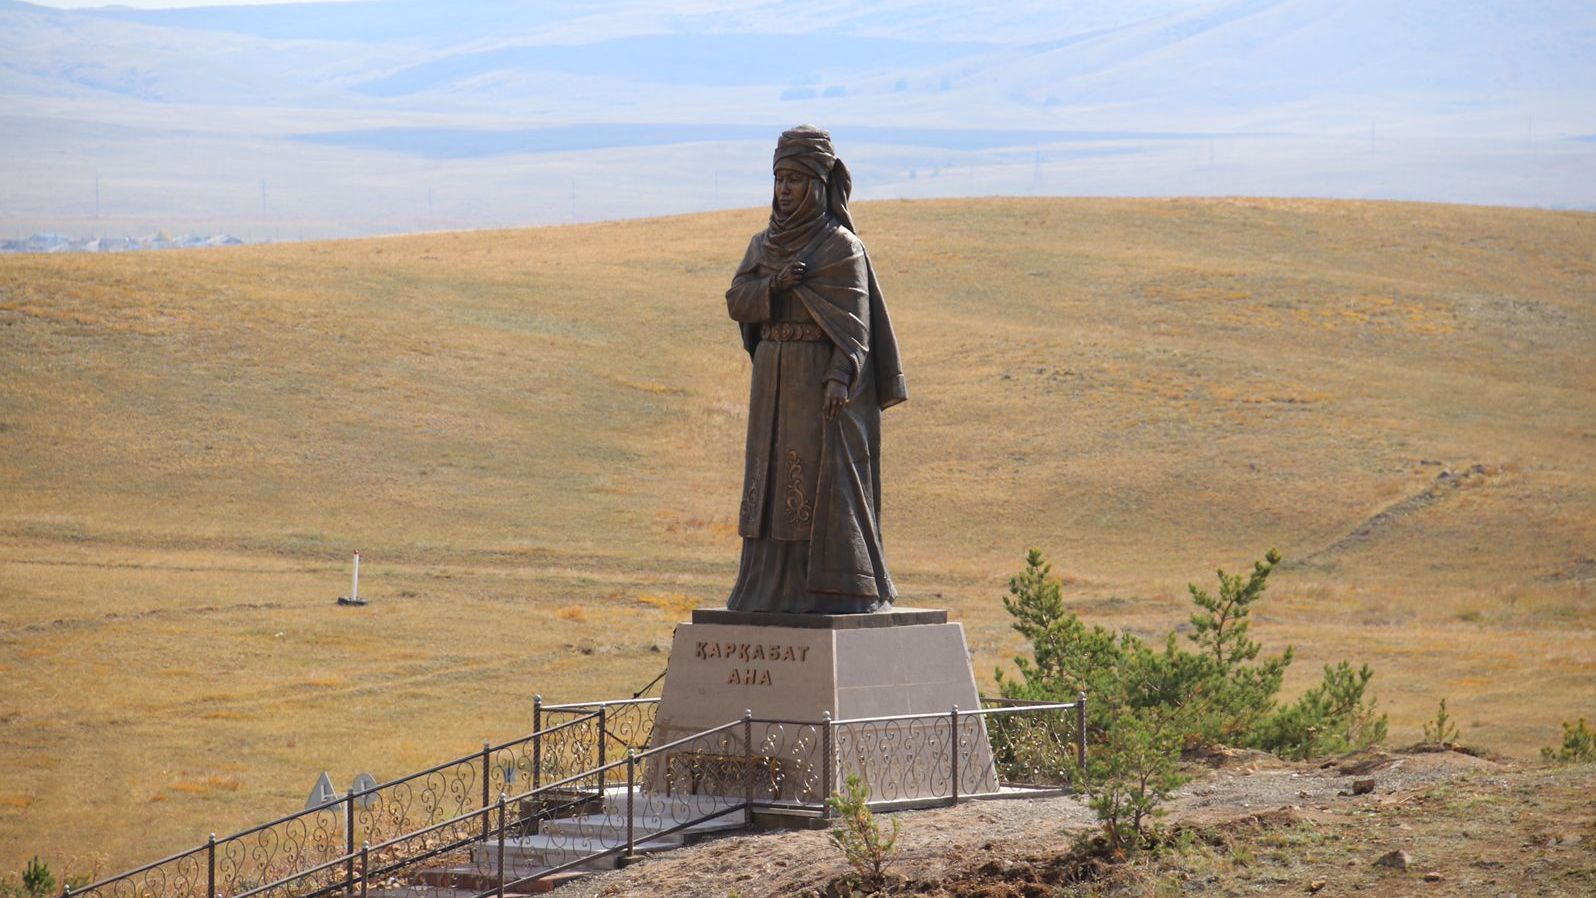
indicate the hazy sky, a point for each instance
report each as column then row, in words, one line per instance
column 166, row 4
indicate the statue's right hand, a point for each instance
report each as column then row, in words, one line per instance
column 790, row 275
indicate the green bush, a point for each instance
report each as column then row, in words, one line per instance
column 1129, row 775
column 1579, row 744
column 1442, row 730
column 37, row 880
column 1220, row 693
column 1331, row 718
column 859, row 834
column 1231, row 694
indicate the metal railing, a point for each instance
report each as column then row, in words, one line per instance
column 481, row 850
column 646, row 795
column 578, row 738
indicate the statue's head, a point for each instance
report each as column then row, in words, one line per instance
column 806, row 167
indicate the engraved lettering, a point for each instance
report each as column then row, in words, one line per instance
column 764, row 678
column 703, row 650
column 759, row 653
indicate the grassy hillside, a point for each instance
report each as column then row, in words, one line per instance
column 535, row 439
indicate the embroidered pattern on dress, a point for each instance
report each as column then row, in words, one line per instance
column 798, row 510
column 750, row 500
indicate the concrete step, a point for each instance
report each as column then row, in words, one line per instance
column 613, row 826
column 419, row 891
column 531, row 852
column 477, row 882
column 648, row 804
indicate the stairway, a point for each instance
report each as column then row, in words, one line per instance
column 577, row 841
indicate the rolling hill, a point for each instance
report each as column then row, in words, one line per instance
column 534, row 437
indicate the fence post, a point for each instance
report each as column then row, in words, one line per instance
column 1080, row 729
column 603, row 748
column 365, row 867
column 748, row 767
column 210, row 862
column 501, row 843
column 828, row 763
column 487, row 799
column 953, row 753
column 631, row 792
column 349, row 841
column 537, row 742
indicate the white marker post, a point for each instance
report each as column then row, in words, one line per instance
column 354, row 586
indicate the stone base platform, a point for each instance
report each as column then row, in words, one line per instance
column 797, row 668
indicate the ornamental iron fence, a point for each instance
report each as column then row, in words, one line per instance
column 586, row 785
column 566, row 739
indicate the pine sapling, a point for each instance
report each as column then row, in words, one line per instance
column 860, row 836
column 1442, row 730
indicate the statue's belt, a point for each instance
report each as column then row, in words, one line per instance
column 792, row 332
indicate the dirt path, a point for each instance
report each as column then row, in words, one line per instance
column 1255, row 826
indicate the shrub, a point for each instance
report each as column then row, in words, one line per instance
column 1232, row 694
column 1579, row 744
column 1129, row 775
column 37, row 880
column 859, row 834
column 1441, row 730
column 1219, row 693
column 1330, row 718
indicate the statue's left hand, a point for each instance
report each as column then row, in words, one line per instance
column 836, row 398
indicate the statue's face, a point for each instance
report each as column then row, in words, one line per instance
column 790, row 189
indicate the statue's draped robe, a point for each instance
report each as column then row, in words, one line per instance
column 811, row 501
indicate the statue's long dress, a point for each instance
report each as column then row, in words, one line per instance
column 811, row 499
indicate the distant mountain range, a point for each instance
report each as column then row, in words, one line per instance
column 1050, row 95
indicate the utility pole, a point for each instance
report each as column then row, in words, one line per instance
column 262, row 197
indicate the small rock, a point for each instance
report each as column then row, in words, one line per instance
column 1396, row 860
column 1432, row 876
column 1316, row 885
column 1363, row 787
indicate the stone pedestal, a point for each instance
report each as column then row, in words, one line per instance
column 790, row 670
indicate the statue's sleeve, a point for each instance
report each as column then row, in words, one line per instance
column 840, row 369
column 748, row 300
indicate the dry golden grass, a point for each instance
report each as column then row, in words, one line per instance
column 509, row 424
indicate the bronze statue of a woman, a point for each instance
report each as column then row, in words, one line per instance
column 825, row 365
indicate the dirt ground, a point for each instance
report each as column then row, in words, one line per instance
column 1246, row 824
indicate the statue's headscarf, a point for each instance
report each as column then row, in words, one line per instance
column 808, row 149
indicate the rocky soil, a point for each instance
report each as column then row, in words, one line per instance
column 1434, row 823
